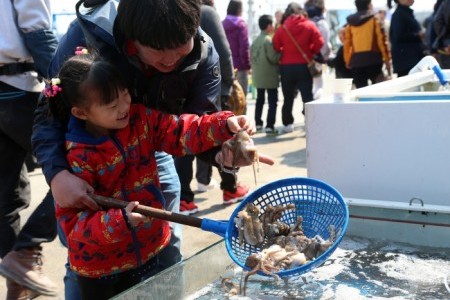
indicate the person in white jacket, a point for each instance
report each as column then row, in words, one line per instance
column 27, row 45
column 316, row 10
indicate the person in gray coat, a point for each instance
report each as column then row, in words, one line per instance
column 265, row 74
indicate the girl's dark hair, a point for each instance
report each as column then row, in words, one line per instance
column 159, row 24
column 234, row 8
column 82, row 73
column 389, row 3
column 292, row 9
column 362, row 5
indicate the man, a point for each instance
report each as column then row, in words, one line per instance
column 26, row 48
column 170, row 64
column 232, row 190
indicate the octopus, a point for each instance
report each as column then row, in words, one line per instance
column 270, row 220
column 288, row 251
column 272, row 260
column 229, row 286
column 242, row 149
column 249, row 226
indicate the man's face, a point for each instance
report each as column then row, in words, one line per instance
column 166, row 60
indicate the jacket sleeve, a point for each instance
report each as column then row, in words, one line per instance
column 276, row 40
column 34, row 19
column 244, row 47
column 348, row 45
column 317, row 40
column 188, row 134
column 204, row 90
column 439, row 23
column 382, row 41
column 325, row 32
column 212, row 25
column 271, row 54
column 48, row 132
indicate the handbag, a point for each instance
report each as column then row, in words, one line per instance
column 314, row 67
column 237, row 102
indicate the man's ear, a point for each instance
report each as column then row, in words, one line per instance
column 78, row 112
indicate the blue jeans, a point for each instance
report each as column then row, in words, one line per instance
column 170, row 185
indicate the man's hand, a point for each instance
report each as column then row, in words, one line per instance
column 70, row 191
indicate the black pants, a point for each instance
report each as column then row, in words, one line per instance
column 362, row 75
column 272, row 97
column 294, row 78
column 16, row 120
column 106, row 287
column 185, row 173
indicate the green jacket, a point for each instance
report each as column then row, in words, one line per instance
column 264, row 62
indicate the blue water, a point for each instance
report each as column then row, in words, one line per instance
column 358, row 269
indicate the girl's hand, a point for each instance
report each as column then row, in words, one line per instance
column 236, row 123
column 135, row 218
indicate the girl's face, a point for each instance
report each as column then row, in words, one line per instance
column 164, row 61
column 101, row 118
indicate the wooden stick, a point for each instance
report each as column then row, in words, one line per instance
column 149, row 211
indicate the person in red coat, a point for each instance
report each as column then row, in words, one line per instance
column 111, row 144
column 293, row 66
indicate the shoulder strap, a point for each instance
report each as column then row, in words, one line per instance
column 296, row 44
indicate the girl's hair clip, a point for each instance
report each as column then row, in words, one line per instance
column 52, row 88
column 81, row 50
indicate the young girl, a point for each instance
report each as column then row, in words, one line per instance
column 110, row 144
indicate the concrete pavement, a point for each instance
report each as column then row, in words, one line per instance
column 288, row 151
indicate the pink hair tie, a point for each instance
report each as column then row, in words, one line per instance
column 81, row 50
column 53, row 88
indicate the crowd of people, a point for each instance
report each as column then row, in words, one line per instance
column 119, row 111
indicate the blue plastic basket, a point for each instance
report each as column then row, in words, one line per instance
column 319, row 204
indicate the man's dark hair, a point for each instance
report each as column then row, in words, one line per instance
column 362, row 5
column 159, row 24
column 234, row 8
column 264, row 21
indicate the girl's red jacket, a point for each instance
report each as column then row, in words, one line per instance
column 123, row 166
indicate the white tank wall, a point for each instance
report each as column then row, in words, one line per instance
column 390, row 151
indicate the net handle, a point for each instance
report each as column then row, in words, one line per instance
column 149, row 211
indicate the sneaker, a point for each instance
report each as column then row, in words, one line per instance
column 288, row 128
column 201, row 188
column 271, row 131
column 259, row 128
column 232, row 197
column 188, row 208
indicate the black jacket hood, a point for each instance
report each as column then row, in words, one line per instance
column 360, row 18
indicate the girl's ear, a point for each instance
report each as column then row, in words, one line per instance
column 79, row 113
